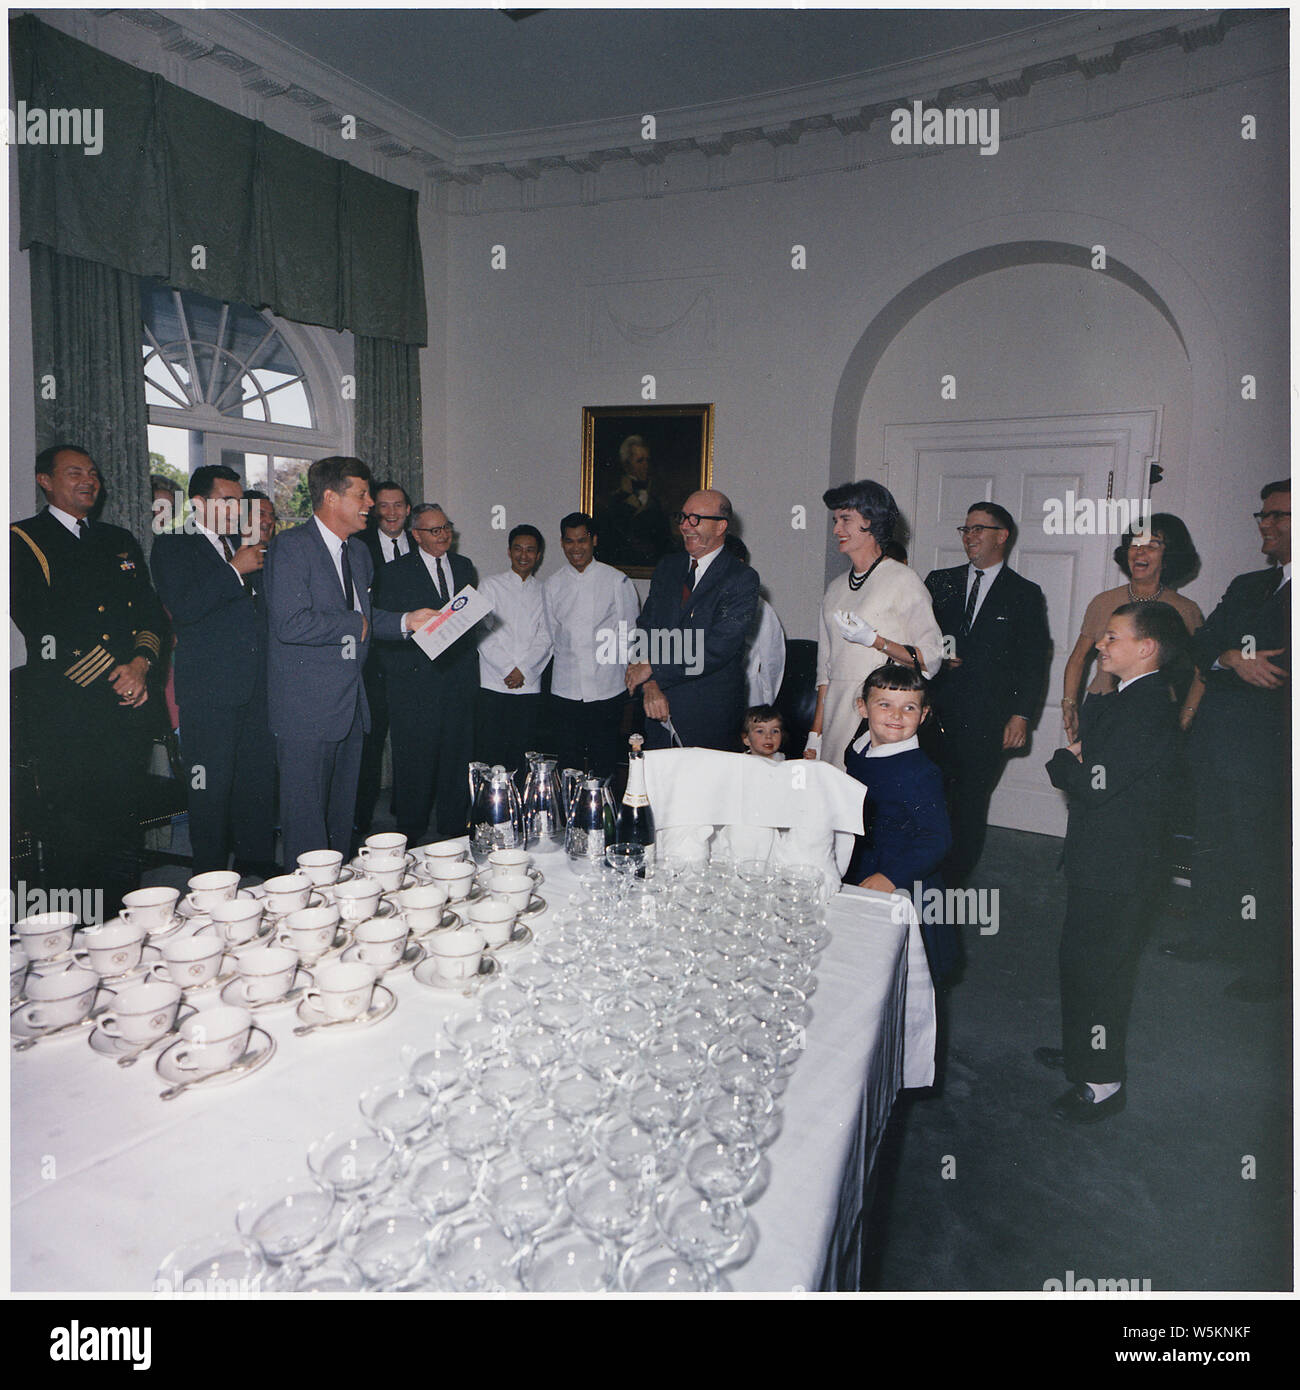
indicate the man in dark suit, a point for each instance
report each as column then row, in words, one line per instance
column 990, row 692
column 431, row 703
column 1240, row 753
column 80, row 595
column 388, row 540
column 205, row 578
column 1117, row 778
column 318, row 580
column 695, row 628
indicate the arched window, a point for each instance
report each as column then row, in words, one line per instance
column 228, row 384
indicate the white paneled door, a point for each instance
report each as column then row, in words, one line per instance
column 1051, row 475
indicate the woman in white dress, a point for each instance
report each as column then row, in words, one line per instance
column 872, row 614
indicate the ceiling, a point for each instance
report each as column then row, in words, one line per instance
column 476, row 72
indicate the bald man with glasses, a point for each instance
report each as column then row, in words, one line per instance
column 696, row 623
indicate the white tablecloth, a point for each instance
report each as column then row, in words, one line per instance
column 106, row 1178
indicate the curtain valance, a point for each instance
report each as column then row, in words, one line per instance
column 280, row 225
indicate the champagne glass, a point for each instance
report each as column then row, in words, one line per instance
column 285, row 1219
column 357, row 1165
column 568, row 1261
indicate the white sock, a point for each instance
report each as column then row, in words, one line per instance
column 1103, row 1090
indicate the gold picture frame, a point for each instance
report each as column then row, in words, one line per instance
column 669, row 449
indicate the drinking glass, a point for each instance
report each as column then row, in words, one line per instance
column 438, row 1069
column 522, row 1203
column 388, row 1243
column 399, row 1110
column 549, row 1144
column 652, row 1266
column 503, row 1082
column 217, row 1264
column 568, row 1261
column 607, row 1206
column 442, row 1183
column 475, row 1256
column 473, row 1129
column 357, row 1165
column 285, row 1219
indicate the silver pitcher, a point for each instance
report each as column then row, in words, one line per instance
column 545, row 815
column 591, row 821
column 496, row 817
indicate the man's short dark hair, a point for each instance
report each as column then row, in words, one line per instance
column 253, row 494
column 159, row 482
column 203, row 479
column 574, row 520
column 1283, row 486
column 390, row 485
column 526, row 530
column 331, row 475
column 873, row 503
column 999, row 514
column 45, row 459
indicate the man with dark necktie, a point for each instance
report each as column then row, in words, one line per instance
column 988, row 695
column 431, row 703
column 207, row 583
column 1240, row 753
column 318, row 579
column 387, row 540
column 80, row 595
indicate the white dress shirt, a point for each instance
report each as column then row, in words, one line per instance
column 403, row 539
column 517, row 635
column 990, row 574
column 335, row 546
column 579, row 607
column 1123, row 685
column 66, row 519
column 864, row 746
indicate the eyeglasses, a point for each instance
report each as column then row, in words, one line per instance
column 1269, row 516
column 966, row 530
column 434, row 530
column 693, row 518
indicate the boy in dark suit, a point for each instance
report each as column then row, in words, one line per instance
column 906, row 823
column 1116, row 778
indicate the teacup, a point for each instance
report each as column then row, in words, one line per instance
column 456, row 877
column 207, row 890
column 238, row 920
column 516, row 861
column 113, row 948
column 190, row 961
column 357, row 899
column 381, row 941
column 322, row 866
column 388, row 842
column 444, row 851
column 422, row 905
column 17, row 971
column 266, row 975
column 343, row 991
column 457, row 955
column 153, row 908
column 46, row 934
column 142, row 1013
column 58, row 1000
column 287, row 893
column 387, row 870
column 213, row 1039
column 514, row 889
column 493, row 919
column 310, row 932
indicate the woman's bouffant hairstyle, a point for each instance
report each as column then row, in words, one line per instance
column 1180, row 560
column 872, row 502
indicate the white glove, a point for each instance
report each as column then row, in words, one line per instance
column 814, row 743
column 854, row 629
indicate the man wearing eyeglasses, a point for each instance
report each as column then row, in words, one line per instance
column 1240, row 751
column 709, row 597
column 430, row 703
column 990, row 692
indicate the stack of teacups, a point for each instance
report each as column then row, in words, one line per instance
column 515, row 861
column 152, row 908
column 512, row 888
column 493, row 919
column 322, row 866
column 357, row 899
column 455, row 875
column 238, row 920
column 286, row 893
column 311, row 932
column 423, row 906
column 209, row 889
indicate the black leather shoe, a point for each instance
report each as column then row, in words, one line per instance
column 1251, row 990
column 1077, row 1106
column 1053, row 1058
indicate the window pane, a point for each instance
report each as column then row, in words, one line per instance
column 292, row 500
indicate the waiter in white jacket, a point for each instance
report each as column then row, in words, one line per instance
column 512, row 657
column 586, row 601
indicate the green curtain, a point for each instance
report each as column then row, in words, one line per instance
column 203, row 199
column 86, row 349
column 388, row 412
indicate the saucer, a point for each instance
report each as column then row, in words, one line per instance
column 109, row 1046
column 167, row 932
column 521, row 936
column 387, row 908
column 232, row 994
column 426, row 975
column 410, row 958
column 535, row 904
column 382, row 1003
column 21, row 1031
column 261, row 1048
column 314, row 899
column 446, row 922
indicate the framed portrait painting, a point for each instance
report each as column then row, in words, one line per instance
column 639, row 464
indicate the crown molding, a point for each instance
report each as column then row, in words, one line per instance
column 270, row 71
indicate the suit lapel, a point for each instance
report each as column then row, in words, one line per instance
column 992, row 596
column 706, row 582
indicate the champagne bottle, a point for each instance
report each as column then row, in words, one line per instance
column 636, row 822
